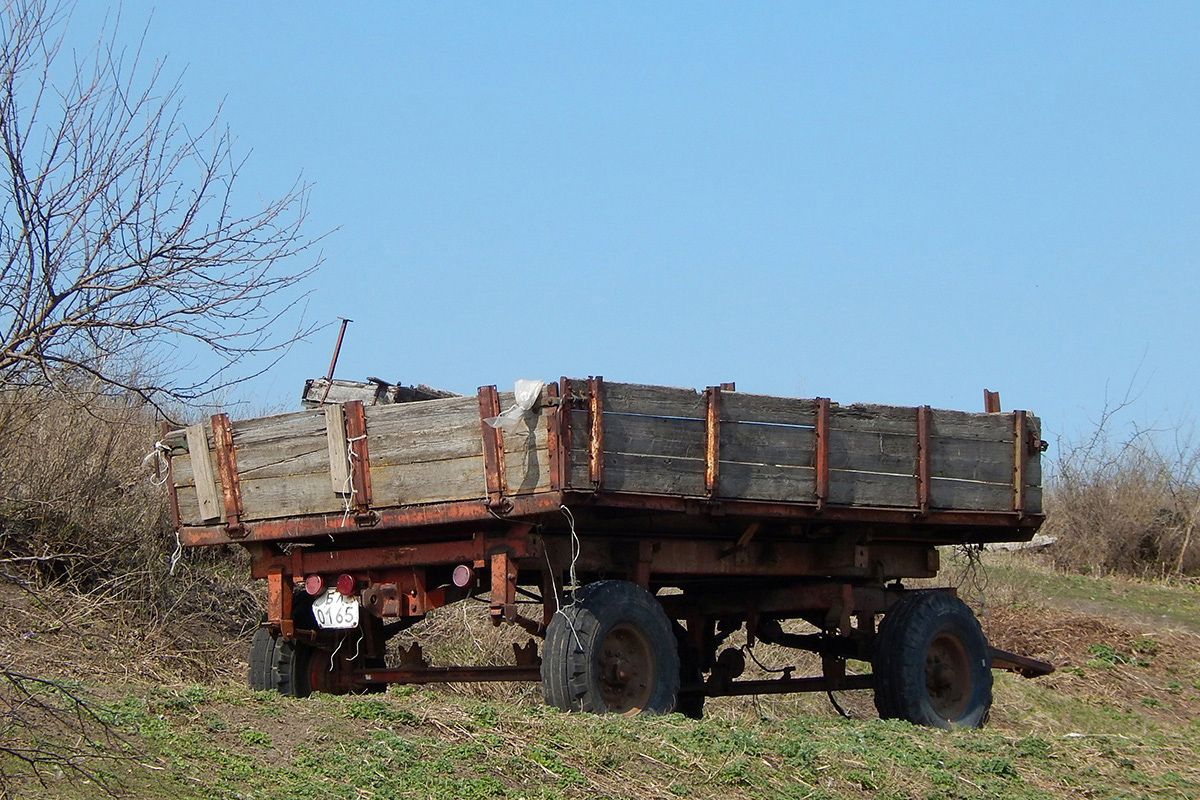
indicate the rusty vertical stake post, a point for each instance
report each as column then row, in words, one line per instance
column 554, row 450
column 924, row 472
column 504, row 588
column 227, row 469
column 712, row 439
column 493, row 446
column 1020, row 439
column 596, row 430
column 991, row 402
column 566, row 409
column 172, row 492
column 279, row 601
column 821, row 454
column 360, row 457
column 337, row 349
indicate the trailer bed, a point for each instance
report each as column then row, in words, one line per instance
column 915, row 473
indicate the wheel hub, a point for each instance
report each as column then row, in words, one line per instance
column 947, row 676
column 626, row 670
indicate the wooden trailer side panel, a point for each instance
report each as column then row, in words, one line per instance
column 654, row 441
column 637, row 439
column 418, row 453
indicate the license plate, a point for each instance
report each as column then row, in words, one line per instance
column 335, row 610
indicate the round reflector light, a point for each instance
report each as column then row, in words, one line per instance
column 346, row 584
column 463, row 575
column 314, row 585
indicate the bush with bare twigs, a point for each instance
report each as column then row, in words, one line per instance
column 1126, row 505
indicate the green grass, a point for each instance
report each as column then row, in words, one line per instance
column 1175, row 604
column 1118, row 722
column 428, row 744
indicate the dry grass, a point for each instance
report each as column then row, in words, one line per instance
column 1127, row 506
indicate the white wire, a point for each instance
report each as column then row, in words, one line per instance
column 162, row 466
column 178, row 554
column 348, row 486
column 575, row 547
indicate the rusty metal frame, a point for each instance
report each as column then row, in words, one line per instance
column 924, row 471
column 555, row 452
column 461, row 512
column 821, row 453
column 596, row 431
column 231, row 491
column 172, row 490
column 790, row 685
column 477, row 548
column 493, row 448
column 712, row 440
column 504, row 587
column 1024, row 666
column 360, row 461
column 806, row 511
column 424, row 675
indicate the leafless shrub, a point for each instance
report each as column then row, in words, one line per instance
column 50, row 729
column 1126, row 504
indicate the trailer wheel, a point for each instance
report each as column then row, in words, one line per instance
column 931, row 663
column 610, row 649
column 290, row 674
column 262, row 659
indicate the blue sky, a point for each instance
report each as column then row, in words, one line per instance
column 897, row 203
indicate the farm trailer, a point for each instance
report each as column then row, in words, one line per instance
column 631, row 528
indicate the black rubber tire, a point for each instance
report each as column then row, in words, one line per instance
column 931, row 663
column 290, row 670
column 262, row 660
column 611, row 649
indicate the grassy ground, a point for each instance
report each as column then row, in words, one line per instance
column 1120, row 718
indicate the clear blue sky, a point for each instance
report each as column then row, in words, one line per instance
column 898, row 203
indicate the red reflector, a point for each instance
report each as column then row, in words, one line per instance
column 314, row 585
column 346, row 584
column 463, row 575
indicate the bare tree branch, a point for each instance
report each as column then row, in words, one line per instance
column 122, row 240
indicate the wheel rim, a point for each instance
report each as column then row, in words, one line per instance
column 948, row 676
column 626, row 670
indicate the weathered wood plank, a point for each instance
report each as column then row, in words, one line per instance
column 970, row 495
column 338, row 449
column 431, row 482
column 189, row 507
column 753, row 443
column 658, row 401
column 624, row 472
column 433, row 430
column 742, row 481
column 974, row 427
column 204, row 473
column 527, row 471
column 870, row 418
column 859, row 450
column 294, row 495
column 181, row 470
column 742, row 407
column 529, row 436
column 278, row 427
column 286, row 457
column 655, row 436
column 870, row 489
column 975, row 460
